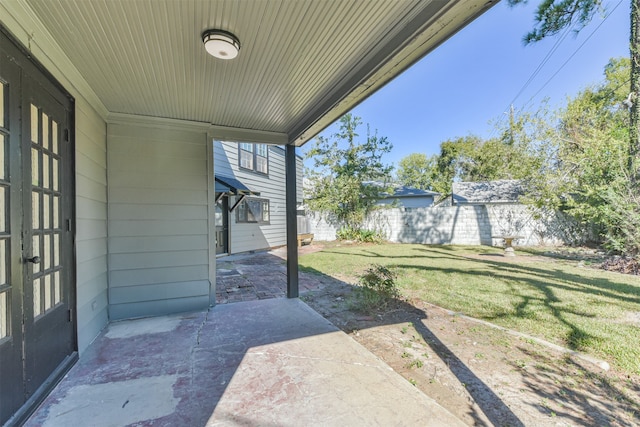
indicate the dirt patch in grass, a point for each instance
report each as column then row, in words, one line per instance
column 483, row 375
column 622, row 265
column 598, row 259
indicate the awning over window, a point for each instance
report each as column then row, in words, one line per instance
column 230, row 185
column 221, row 188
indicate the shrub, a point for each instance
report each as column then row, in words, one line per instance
column 377, row 288
column 359, row 235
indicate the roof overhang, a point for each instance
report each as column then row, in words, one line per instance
column 302, row 64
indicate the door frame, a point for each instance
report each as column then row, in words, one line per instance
column 38, row 73
column 223, row 199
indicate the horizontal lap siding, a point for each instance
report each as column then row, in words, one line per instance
column 91, row 223
column 158, row 221
column 248, row 237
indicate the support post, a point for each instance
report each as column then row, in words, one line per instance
column 292, row 222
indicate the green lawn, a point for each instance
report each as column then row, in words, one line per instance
column 585, row 309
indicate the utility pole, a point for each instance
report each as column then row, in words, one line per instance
column 511, row 125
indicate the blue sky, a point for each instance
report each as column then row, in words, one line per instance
column 469, row 82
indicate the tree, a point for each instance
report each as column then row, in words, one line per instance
column 512, row 155
column 340, row 183
column 417, row 170
column 622, row 196
column 586, row 171
column 455, row 158
column 553, row 16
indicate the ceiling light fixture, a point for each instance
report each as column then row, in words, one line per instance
column 221, row 44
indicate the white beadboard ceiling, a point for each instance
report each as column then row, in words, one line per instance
column 303, row 63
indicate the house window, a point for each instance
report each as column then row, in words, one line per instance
column 254, row 157
column 261, row 158
column 253, row 210
column 246, row 155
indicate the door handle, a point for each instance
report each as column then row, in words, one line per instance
column 34, row 260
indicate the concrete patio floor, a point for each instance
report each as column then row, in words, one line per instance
column 272, row 362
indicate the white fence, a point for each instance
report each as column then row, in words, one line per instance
column 463, row 225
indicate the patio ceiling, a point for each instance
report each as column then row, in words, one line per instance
column 301, row 66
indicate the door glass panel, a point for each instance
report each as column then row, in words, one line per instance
column 45, row 130
column 56, row 213
column 54, row 137
column 4, row 265
column 57, row 295
column 35, row 209
column 45, row 170
column 37, row 306
column 35, row 168
column 46, row 252
column 56, row 250
column 3, row 166
column 35, row 251
column 55, row 175
column 46, row 217
column 4, row 319
column 3, row 209
column 2, row 102
column 47, row 292
column 34, row 123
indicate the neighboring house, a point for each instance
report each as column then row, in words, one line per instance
column 499, row 213
column 408, row 197
column 108, row 112
column 251, row 217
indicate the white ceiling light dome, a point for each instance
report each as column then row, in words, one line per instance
column 221, row 44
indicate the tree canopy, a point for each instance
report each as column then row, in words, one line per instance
column 586, row 172
column 417, row 170
column 552, row 16
column 512, row 155
column 344, row 169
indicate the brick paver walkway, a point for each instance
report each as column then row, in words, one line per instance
column 261, row 275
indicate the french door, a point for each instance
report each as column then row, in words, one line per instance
column 37, row 325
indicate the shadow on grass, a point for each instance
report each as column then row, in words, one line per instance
column 600, row 286
column 563, row 393
column 546, row 281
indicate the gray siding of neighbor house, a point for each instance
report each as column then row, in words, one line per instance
column 91, row 223
column 159, row 242
column 248, row 237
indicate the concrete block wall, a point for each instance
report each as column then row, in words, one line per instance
column 458, row 225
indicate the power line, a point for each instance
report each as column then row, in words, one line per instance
column 575, row 52
column 546, row 59
column 541, row 65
